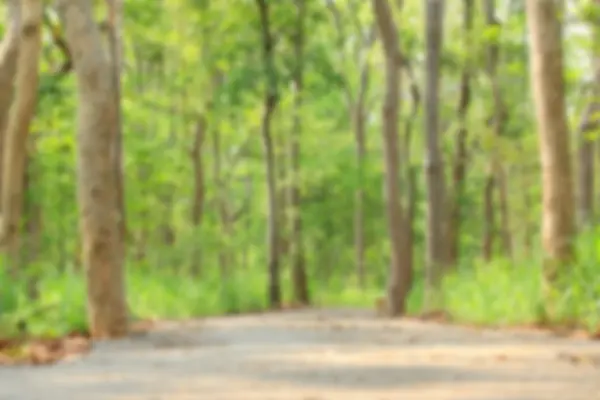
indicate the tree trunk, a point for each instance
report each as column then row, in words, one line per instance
column 459, row 166
column 8, row 69
column 498, row 121
column 17, row 131
column 115, row 8
column 299, row 279
column 505, row 231
column 357, row 112
column 33, row 220
column 436, row 256
column 199, row 187
column 400, row 278
column 548, row 86
column 410, row 171
column 222, row 206
column 270, row 102
column 489, row 220
column 96, row 187
column 359, row 194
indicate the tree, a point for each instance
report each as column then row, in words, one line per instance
column 548, row 87
column 357, row 110
column 8, row 68
column 115, row 18
column 17, row 131
column 459, row 167
column 299, row 279
column 497, row 175
column 97, row 123
column 400, row 278
column 270, row 102
column 436, row 255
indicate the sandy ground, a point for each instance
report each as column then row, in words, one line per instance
column 318, row 355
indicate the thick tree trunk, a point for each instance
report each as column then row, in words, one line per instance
column 400, row 278
column 270, row 102
column 299, row 278
column 96, row 187
column 8, row 69
column 436, row 256
column 548, row 86
column 115, row 11
column 17, row 131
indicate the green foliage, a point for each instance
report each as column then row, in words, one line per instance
column 184, row 58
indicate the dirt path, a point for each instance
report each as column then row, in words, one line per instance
column 318, row 355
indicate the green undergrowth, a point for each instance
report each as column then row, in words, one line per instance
column 505, row 292
column 498, row 293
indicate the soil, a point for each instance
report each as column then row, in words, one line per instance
column 317, row 355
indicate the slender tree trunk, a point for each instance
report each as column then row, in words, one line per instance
column 270, row 102
column 299, row 279
column 33, row 219
column 17, row 131
column 359, row 194
column 199, row 186
column 282, row 184
column 459, row 166
column 222, row 206
column 548, row 86
column 489, row 217
column 498, row 121
column 436, row 255
column 358, row 112
column 411, row 170
column 115, row 8
column 505, row 231
column 400, row 278
column 96, row 187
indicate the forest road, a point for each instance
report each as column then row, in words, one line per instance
column 318, row 355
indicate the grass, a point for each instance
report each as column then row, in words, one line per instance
column 498, row 293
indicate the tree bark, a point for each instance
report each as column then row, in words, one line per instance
column 548, row 86
column 199, row 186
column 489, row 217
column 400, row 278
column 17, row 131
column 9, row 51
column 115, row 8
column 270, row 102
column 97, row 123
column 299, row 278
column 436, row 255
